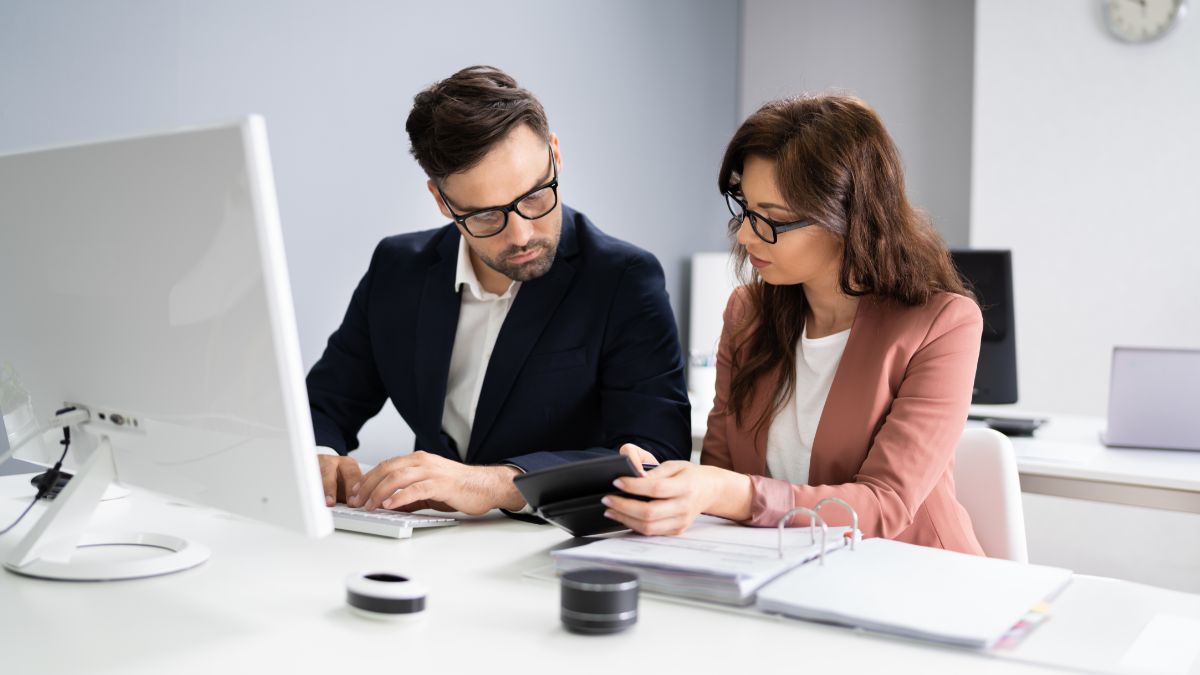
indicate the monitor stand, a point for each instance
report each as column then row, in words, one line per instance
column 49, row 550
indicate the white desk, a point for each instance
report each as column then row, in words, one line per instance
column 270, row 601
column 1065, row 458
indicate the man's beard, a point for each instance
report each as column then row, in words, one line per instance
column 527, row 271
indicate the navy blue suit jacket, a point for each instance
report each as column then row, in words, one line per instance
column 587, row 359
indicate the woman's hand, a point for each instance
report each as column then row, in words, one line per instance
column 679, row 492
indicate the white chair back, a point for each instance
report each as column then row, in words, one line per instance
column 987, row 485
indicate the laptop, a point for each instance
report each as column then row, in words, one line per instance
column 1154, row 399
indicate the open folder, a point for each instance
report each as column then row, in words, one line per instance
column 915, row 591
column 876, row 584
column 714, row 560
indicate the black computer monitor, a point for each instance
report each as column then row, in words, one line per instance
column 989, row 275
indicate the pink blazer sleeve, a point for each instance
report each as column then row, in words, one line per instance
column 913, row 448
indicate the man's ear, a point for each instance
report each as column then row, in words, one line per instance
column 557, row 151
column 437, row 197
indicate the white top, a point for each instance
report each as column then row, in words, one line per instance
column 480, row 316
column 790, row 438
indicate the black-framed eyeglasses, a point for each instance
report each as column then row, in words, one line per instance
column 768, row 230
column 491, row 221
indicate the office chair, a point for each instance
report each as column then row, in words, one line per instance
column 986, row 483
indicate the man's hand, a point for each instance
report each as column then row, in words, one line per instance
column 337, row 475
column 423, row 480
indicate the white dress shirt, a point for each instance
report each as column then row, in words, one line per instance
column 790, row 437
column 480, row 316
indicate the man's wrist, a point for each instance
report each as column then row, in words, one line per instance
column 504, row 492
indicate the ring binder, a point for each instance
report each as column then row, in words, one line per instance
column 853, row 534
column 812, row 524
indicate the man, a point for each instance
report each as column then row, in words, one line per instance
column 513, row 339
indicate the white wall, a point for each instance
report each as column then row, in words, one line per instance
column 1086, row 163
column 642, row 95
column 909, row 59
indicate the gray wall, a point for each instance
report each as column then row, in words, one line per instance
column 910, row 59
column 1087, row 164
column 642, row 95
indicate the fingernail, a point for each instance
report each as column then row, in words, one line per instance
column 609, row 514
column 606, row 501
column 353, row 501
column 387, row 504
column 619, row 484
column 369, row 505
column 354, row 488
column 328, row 500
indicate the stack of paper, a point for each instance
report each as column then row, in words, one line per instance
column 714, row 560
column 915, row 591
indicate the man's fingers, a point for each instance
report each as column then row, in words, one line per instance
column 396, row 479
column 349, row 474
column 369, row 482
column 414, row 494
column 329, row 481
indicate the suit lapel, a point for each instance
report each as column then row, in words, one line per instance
column 437, row 321
column 845, row 399
column 533, row 308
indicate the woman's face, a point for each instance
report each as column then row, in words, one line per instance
column 797, row 256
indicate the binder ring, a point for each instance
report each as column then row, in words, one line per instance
column 853, row 515
column 814, row 519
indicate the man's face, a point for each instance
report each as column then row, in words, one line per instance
column 524, row 249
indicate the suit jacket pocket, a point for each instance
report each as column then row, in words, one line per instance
column 570, row 358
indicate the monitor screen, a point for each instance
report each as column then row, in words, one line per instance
column 989, row 275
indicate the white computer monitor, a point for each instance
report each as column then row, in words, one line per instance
column 144, row 280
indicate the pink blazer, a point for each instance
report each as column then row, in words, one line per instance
column 885, row 442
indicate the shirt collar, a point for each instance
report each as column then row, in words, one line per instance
column 465, row 276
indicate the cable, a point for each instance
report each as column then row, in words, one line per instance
column 65, row 417
column 49, row 478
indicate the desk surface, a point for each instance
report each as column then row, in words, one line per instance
column 1068, row 446
column 272, row 601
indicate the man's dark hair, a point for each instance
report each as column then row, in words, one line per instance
column 455, row 122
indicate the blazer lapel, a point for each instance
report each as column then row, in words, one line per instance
column 761, row 401
column 533, row 308
column 437, row 321
column 846, row 395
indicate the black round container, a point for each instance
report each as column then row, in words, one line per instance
column 599, row 601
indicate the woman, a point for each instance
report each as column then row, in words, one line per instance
column 846, row 364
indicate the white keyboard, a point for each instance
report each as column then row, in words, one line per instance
column 383, row 523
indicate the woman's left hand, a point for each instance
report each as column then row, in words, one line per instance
column 679, row 492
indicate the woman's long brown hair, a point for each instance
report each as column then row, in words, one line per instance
column 837, row 165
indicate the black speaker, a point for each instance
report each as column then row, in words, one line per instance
column 989, row 275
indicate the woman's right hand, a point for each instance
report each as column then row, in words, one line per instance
column 639, row 457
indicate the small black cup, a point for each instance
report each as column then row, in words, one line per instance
column 598, row 601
